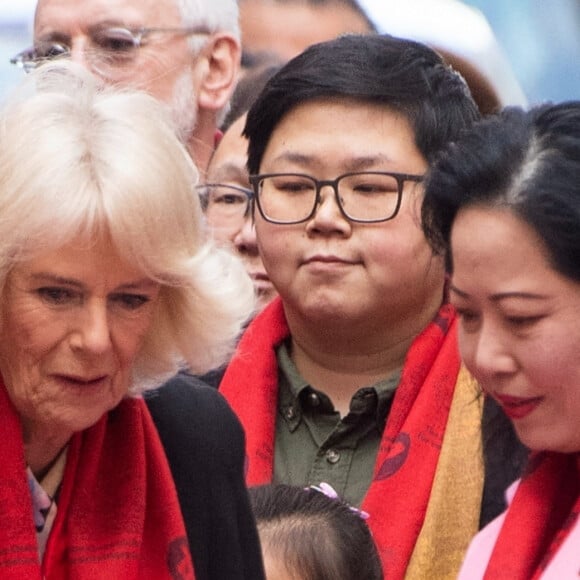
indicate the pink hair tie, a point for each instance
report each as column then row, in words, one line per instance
column 329, row 491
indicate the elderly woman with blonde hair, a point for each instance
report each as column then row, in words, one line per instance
column 108, row 286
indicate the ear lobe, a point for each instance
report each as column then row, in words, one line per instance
column 222, row 58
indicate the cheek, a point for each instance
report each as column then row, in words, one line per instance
column 28, row 334
column 272, row 243
column 222, row 233
column 129, row 335
column 403, row 239
column 554, row 363
column 405, row 256
column 467, row 349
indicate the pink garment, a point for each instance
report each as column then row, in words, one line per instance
column 565, row 565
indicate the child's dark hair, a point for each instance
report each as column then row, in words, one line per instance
column 316, row 537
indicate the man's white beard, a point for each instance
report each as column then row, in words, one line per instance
column 184, row 107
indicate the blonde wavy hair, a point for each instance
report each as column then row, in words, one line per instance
column 80, row 159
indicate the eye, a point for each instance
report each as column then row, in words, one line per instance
column 130, row 301
column 372, row 184
column 57, row 296
column 50, row 50
column 469, row 318
column 115, row 40
column 229, row 199
column 289, row 184
column 523, row 321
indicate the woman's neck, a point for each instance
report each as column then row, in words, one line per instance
column 41, row 450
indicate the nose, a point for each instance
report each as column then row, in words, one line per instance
column 245, row 240
column 487, row 353
column 78, row 52
column 92, row 334
column 328, row 217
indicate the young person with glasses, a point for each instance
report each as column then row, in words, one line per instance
column 227, row 200
column 353, row 376
column 185, row 53
column 227, row 194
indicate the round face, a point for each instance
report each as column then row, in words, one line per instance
column 286, row 29
column 163, row 66
column 72, row 322
column 330, row 270
column 519, row 333
column 228, row 166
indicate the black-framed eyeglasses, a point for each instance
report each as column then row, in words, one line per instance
column 109, row 48
column 222, row 201
column 363, row 196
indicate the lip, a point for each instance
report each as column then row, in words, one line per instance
column 82, row 382
column 518, row 407
column 326, row 261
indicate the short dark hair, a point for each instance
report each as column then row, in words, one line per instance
column 247, row 90
column 400, row 74
column 527, row 162
column 318, row 537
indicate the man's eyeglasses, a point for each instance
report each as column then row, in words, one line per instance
column 109, row 49
column 225, row 202
column 365, row 197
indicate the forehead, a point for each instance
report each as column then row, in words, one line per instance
column 344, row 133
column 287, row 28
column 88, row 260
column 66, row 15
column 493, row 244
column 232, row 149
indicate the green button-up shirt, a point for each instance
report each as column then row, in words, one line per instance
column 313, row 443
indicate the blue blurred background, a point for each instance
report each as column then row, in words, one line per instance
column 540, row 39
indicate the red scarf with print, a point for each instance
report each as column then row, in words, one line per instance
column 545, row 507
column 407, row 459
column 118, row 513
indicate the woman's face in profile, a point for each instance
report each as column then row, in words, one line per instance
column 519, row 331
column 72, row 323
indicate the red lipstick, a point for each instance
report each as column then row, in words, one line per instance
column 518, row 407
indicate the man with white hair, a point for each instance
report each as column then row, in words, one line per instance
column 184, row 52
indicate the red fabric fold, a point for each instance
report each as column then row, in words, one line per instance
column 407, row 459
column 118, row 513
column 545, row 507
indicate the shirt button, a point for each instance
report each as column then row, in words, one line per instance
column 332, row 456
column 313, row 399
column 290, row 413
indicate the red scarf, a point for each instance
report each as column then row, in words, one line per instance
column 399, row 493
column 545, row 507
column 118, row 514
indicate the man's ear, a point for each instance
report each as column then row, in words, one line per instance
column 220, row 73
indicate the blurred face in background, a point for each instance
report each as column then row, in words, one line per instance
column 228, row 207
column 285, row 29
column 163, row 65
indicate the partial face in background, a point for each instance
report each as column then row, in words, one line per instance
column 330, row 268
column 287, row 28
column 519, row 332
column 225, row 214
column 163, row 65
column 72, row 324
